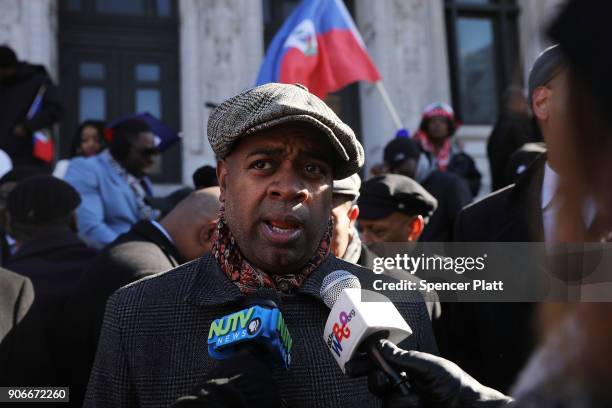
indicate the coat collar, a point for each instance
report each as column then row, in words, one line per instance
column 46, row 243
column 210, row 286
column 525, row 200
column 150, row 232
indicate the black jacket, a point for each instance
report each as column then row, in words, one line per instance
column 493, row 341
column 510, row 133
column 54, row 263
column 16, row 97
column 512, row 214
column 452, row 194
column 24, row 356
column 463, row 165
column 142, row 251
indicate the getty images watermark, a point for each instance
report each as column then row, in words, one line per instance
column 423, row 264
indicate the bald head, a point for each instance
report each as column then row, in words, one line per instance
column 192, row 222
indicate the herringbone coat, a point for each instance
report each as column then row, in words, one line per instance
column 153, row 345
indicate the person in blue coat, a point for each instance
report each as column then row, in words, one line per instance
column 113, row 184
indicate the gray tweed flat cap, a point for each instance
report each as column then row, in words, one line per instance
column 348, row 186
column 273, row 104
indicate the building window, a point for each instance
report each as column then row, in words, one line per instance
column 344, row 102
column 483, row 56
column 139, row 8
column 119, row 57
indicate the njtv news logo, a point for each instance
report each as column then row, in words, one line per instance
column 340, row 331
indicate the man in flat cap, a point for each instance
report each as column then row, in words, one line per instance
column 279, row 148
column 345, row 242
column 393, row 208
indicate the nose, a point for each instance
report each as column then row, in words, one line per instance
column 288, row 186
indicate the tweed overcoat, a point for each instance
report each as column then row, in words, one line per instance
column 153, row 344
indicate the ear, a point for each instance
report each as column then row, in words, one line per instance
column 222, row 177
column 540, row 103
column 417, row 224
column 206, row 232
column 353, row 214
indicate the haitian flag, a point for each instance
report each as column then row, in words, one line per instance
column 42, row 142
column 319, row 47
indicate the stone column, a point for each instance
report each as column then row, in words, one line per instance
column 30, row 28
column 407, row 41
column 221, row 49
column 533, row 22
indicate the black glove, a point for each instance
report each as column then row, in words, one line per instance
column 435, row 381
column 240, row 382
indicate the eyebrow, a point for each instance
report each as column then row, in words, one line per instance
column 265, row 152
column 276, row 152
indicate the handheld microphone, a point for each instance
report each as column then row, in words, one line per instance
column 354, row 326
column 260, row 325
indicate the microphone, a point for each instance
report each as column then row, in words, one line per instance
column 355, row 326
column 260, row 325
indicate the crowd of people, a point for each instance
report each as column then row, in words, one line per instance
column 110, row 290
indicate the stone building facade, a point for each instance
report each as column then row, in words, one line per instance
column 221, row 44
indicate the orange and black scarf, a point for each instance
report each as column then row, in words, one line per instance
column 248, row 277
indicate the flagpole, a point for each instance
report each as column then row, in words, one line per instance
column 383, row 92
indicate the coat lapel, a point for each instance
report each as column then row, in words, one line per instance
column 525, row 223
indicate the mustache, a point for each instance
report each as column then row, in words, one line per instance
column 286, row 214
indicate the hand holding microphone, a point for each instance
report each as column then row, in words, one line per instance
column 248, row 343
column 362, row 335
column 259, row 328
column 239, row 382
column 435, row 381
column 354, row 326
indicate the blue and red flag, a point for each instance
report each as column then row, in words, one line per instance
column 319, row 47
column 42, row 142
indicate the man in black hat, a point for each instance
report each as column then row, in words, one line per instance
column 403, row 156
column 346, row 243
column 41, row 218
column 279, row 148
column 20, row 83
column 393, row 208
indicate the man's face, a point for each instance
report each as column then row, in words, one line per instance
column 277, row 190
column 396, row 227
column 141, row 155
column 551, row 107
column 344, row 215
column 437, row 128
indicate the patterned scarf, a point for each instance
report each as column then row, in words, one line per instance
column 145, row 211
column 248, row 277
column 442, row 158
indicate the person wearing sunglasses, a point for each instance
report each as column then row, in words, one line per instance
column 114, row 185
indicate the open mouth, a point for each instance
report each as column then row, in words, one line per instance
column 282, row 231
